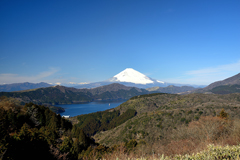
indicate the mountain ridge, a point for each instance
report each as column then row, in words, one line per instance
column 231, row 80
column 226, row 86
column 132, row 78
column 22, row 86
column 69, row 95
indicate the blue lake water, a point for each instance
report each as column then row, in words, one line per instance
column 85, row 108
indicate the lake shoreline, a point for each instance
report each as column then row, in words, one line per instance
column 83, row 102
column 89, row 107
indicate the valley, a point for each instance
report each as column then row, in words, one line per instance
column 119, row 80
column 149, row 121
column 68, row 95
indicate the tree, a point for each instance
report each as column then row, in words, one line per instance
column 223, row 114
column 28, row 143
column 75, row 149
column 66, row 145
column 131, row 144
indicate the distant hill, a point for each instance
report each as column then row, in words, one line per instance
column 226, row 86
column 226, row 89
column 22, row 86
column 171, row 89
column 229, row 81
column 67, row 95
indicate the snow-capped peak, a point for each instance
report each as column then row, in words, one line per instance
column 133, row 76
column 160, row 81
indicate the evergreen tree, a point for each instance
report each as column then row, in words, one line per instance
column 83, row 139
column 28, row 144
column 66, row 145
column 75, row 150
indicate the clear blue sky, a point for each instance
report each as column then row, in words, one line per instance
column 62, row 41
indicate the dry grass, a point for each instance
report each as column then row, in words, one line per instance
column 188, row 140
column 211, row 152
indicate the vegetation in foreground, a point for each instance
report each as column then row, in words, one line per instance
column 157, row 126
column 35, row 132
column 210, row 153
column 160, row 115
column 169, row 124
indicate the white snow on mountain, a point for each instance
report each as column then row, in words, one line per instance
column 132, row 76
column 160, row 81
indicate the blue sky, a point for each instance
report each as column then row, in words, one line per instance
column 60, row 41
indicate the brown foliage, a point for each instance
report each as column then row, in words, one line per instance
column 57, row 154
column 184, row 146
column 209, row 128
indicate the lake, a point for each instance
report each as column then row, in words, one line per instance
column 85, row 108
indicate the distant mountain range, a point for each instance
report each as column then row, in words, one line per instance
column 226, row 86
column 22, row 86
column 133, row 78
column 128, row 77
column 66, row 95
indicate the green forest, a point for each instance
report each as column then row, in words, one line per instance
column 65, row 95
column 35, row 132
column 102, row 121
column 152, row 126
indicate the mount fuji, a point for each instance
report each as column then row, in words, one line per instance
column 130, row 75
column 132, row 78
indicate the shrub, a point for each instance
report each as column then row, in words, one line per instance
column 223, row 114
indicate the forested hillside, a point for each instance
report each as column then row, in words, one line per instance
column 150, row 125
column 176, row 124
column 66, row 95
column 35, row 132
column 171, row 89
column 102, row 121
column 226, row 86
column 226, row 89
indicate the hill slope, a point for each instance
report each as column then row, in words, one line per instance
column 159, row 115
column 226, row 89
column 171, row 89
column 229, row 81
column 229, row 85
column 34, row 132
column 66, row 95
